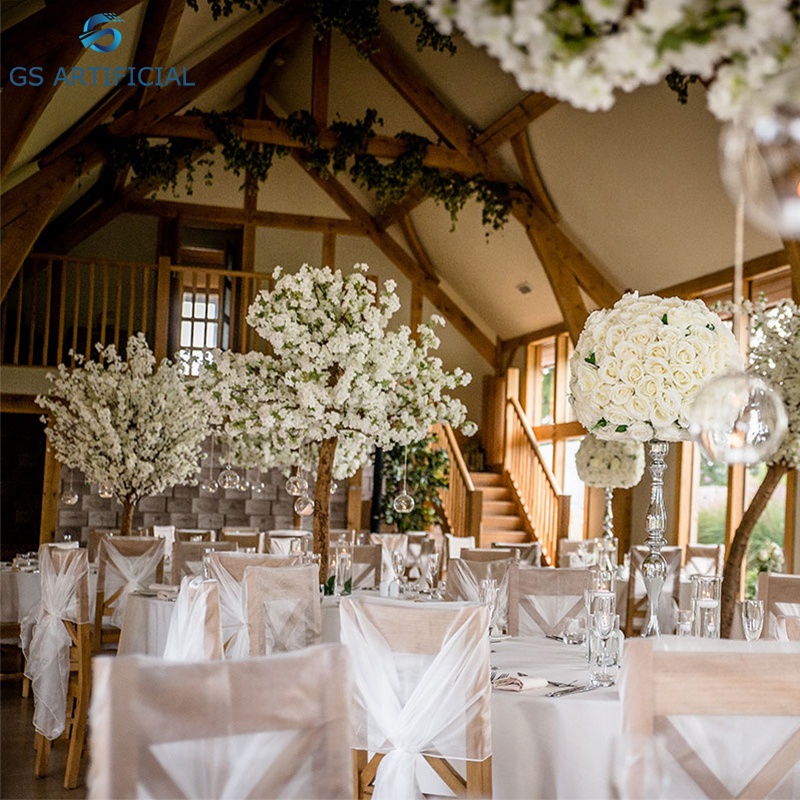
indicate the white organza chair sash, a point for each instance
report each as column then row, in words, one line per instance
column 256, row 728
column 195, row 628
column 704, row 559
column 725, row 717
column 389, row 542
column 781, row 596
column 45, row 640
column 422, row 686
column 542, row 599
column 464, row 579
column 187, row 557
column 283, row 608
column 123, row 573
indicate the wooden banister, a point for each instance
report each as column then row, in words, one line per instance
column 536, row 488
column 462, row 503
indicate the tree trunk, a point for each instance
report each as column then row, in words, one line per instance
column 126, row 523
column 322, row 503
column 733, row 564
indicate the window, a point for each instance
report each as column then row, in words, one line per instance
column 200, row 325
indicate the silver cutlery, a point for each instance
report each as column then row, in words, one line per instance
column 572, row 690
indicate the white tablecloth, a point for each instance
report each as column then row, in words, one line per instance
column 145, row 624
column 21, row 591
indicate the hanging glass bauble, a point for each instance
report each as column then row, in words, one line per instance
column 257, row 486
column 334, row 487
column 304, row 506
column 760, row 153
column 105, row 491
column 228, row 478
column 70, row 497
column 738, row 419
column 209, row 486
column 403, row 503
column 296, row 485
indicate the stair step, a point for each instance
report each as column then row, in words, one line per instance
column 509, row 537
column 505, row 522
column 481, row 479
column 492, row 508
column 495, row 493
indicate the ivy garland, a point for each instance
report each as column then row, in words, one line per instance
column 162, row 163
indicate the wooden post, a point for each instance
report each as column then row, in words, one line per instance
column 354, row 502
column 50, row 494
column 161, row 343
column 494, row 415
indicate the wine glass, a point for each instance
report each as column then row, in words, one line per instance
column 399, row 566
column 752, row 618
column 488, row 597
column 432, row 572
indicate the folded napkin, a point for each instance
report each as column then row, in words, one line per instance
column 517, row 683
column 164, row 591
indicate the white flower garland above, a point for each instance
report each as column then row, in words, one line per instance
column 637, row 366
column 581, row 52
column 610, row 464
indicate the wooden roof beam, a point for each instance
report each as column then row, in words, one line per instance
column 417, row 249
column 514, row 121
column 320, row 78
column 521, row 145
column 792, row 250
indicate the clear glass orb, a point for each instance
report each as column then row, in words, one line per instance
column 209, row 486
column 244, row 485
column 105, row 491
column 70, row 497
column 257, row 487
column 738, row 419
column 304, row 506
column 296, row 485
column 228, row 478
column 334, row 487
column 403, row 503
column 760, row 152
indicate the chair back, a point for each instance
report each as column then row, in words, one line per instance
column 187, row 557
column 165, row 532
column 244, row 539
column 453, row 545
column 195, row 628
column 260, row 727
column 704, row 559
column 464, row 580
column 419, row 546
column 637, row 594
column 422, row 692
column 541, row 600
column 487, row 554
column 367, row 560
column 282, row 542
column 125, row 564
column 781, row 596
column 570, row 550
column 720, row 718
column 529, row 553
column 195, row 535
column 283, row 608
column 96, row 534
column 389, row 542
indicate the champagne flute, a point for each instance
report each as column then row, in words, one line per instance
column 432, row 572
column 752, row 618
column 488, row 596
column 399, row 566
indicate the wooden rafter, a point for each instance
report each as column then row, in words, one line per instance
column 158, row 35
column 271, row 132
column 417, row 249
column 521, row 145
column 515, row 121
column 792, row 250
column 404, row 262
column 320, row 79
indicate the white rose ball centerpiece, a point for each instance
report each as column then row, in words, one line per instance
column 634, row 375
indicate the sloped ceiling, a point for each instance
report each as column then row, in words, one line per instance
column 637, row 188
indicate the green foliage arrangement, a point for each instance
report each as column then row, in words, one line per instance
column 428, row 471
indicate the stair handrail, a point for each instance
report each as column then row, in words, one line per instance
column 547, row 511
column 461, row 502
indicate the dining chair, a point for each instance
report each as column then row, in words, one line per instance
column 389, row 542
column 165, row 532
column 704, row 559
column 526, row 553
column 195, row 535
column 453, row 545
column 56, row 640
column 195, row 627
column 367, row 559
column 716, row 718
column 781, row 596
column 283, row 608
column 281, row 541
column 542, row 600
column 187, row 557
column 252, row 539
column 569, row 551
column 420, row 545
column 229, row 569
column 96, row 534
column 125, row 564
column 464, row 580
column 273, row 726
column 487, row 554
column 637, row 595
column 422, row 696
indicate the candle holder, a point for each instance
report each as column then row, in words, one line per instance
column 654, row 566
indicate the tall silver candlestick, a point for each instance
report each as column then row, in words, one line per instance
column 654, row 566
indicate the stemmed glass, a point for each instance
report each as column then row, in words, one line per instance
column 404, row 502
column 752, row 618
column 432, row 573
column 488, row 596
column 399, row 567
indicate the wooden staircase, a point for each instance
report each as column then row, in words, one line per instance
column 501, row 520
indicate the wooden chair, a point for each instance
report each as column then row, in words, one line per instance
column 453, row 545
column 464, row 579
column 195, row 535
column 529, row 553
column 187, row 557
column 637, row 596
column 125, row 563
column 541, row 600
column 707, row 702
column 57, row 564
column 444, row 650
column 569, row 547
column 487, row 554
column 274, row 726
column 280, row 542
column 704, row 559
column 389, row 542
column 244, row 539
column 366, row 566
column 781, row 596
column 195, row 628
column 96, row 534
column 283, row 608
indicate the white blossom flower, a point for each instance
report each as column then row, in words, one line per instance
column 610, row 464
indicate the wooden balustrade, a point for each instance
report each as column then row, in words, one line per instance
column 537, row 491
column 461, row 501
column 59, row 304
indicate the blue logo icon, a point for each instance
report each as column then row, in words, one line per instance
column 92, row 33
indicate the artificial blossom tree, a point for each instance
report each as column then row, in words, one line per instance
column 126, row 422
column 336, row 382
